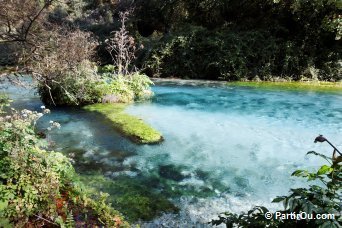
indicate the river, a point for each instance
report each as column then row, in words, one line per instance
column 226, row 148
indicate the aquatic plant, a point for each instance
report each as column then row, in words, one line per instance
column 300, row 86
column 131, row 196
column 131, row 126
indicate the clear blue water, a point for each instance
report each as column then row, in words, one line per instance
column 240, row 144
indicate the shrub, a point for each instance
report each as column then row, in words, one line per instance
column 124, row 83
column 140, row 85
column 126, row 89
column 76, row 86
column 62, row 66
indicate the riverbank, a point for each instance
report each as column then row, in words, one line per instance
column 319, row 86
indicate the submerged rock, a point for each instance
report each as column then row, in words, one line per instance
column 171, row 172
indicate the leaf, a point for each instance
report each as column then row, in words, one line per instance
column 278, row 199
column 3, row 205
column 324, row 170
column 5, row 223
column 298, row 173
column 308, row 207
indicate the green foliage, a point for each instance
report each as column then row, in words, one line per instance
column 226, row 39
column 234, row 40
column 4, row 102
column 319, row 198
column 125, row 89
column 140, row 85
column 196, row 52
column 37, row 186
column 109, row 68
column 131, row 126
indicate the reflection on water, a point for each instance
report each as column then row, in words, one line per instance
column 226, row 148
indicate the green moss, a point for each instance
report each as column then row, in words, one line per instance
column 134, row 199
column 130, row 126
column 304, row 86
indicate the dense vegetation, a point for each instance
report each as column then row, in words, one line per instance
column 39, row 187
column 234, row 40
column 220, row 39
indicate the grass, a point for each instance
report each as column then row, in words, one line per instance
column 132, row 127
column 305, row 86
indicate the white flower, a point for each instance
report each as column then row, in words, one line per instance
column 46, row 111
column 57, row 125
column 51, row 122
column 40, row 115
column 42, row 107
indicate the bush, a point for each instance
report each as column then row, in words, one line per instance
column 77, row 86
column 38, row 187
column 125, row 89
column 63, row 68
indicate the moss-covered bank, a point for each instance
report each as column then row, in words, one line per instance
column 131, row 126
column 318, row 86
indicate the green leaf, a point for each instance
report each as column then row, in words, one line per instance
column 308, row 207
column 298, row 173
column 324, row 170
column 3, row 205
column 5, row 223
column 278, row 199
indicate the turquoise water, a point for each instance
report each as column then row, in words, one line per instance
column 225, row 148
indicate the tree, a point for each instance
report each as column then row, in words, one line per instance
column 18, row 23
column 121, row 46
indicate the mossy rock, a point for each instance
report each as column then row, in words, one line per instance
column 132, row 127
